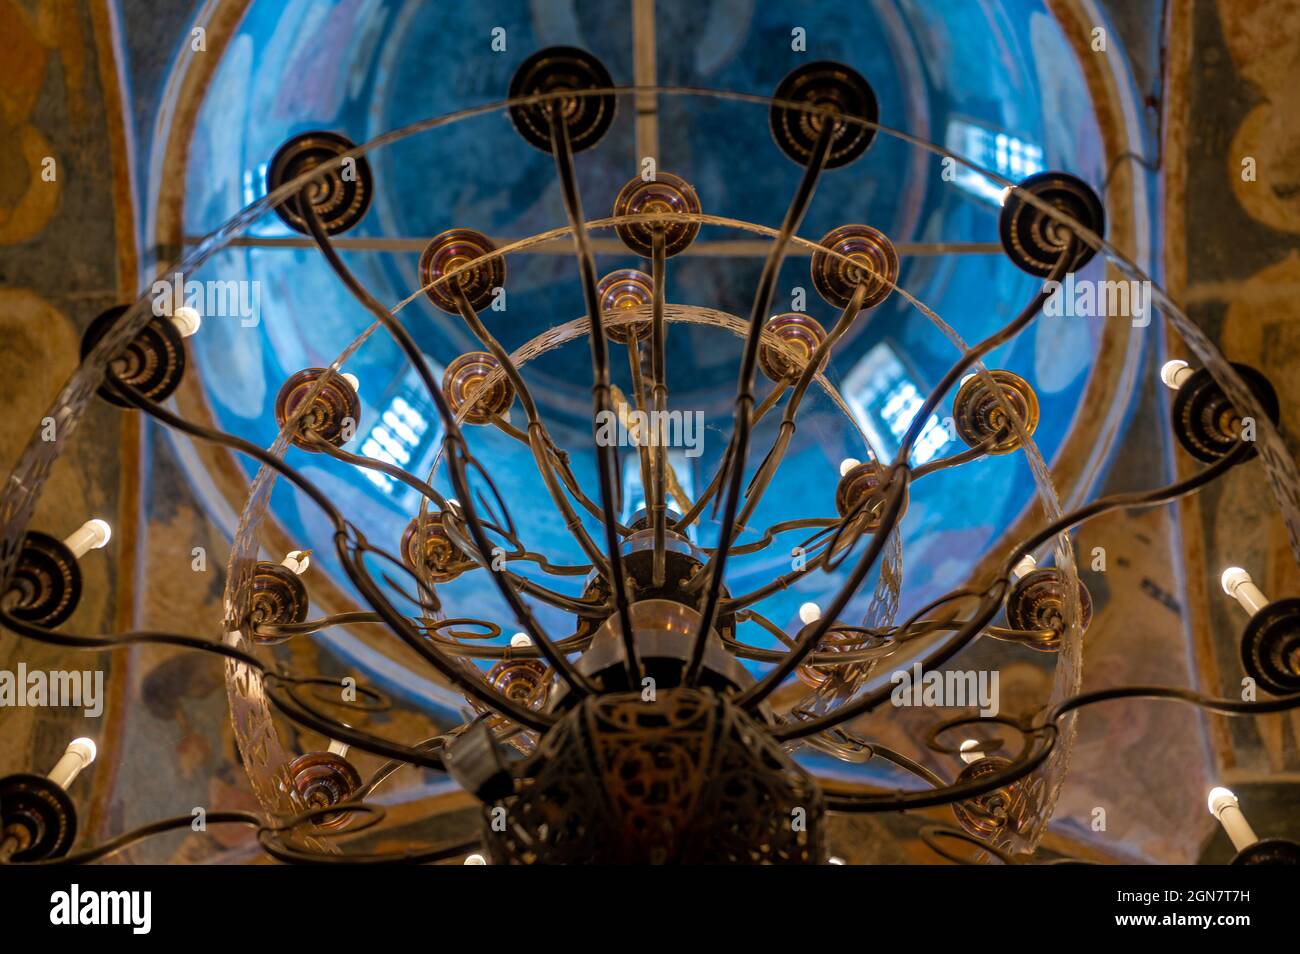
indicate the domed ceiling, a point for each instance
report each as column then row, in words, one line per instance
column 996, row 83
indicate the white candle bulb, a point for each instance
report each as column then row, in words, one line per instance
column 297, row 561
column 79, row 754
column 970, row 751
column 810, row 613
column 187, row 320
column 1224, row 807
column 353, row 380
column 520, row 640
column 1238, row 584
column 847, row 464
column 91, row 535
column 1175, row 374
column 834, row 860
column 475, row 860
column 1026, row 565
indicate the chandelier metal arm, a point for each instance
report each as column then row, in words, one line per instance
column 356, row 572
column 978, row 351
column 606, row 462
column 644, row 449
column 539, row 441
column 659, row 338
column 993, row 595
column 456, row 464
column 767, row 470
column 953, row 460
column 896, row 479
column 716, row 566
column 843, row 799
column 690, row 516
column 561, row 468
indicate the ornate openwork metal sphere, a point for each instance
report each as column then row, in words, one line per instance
column 322, row 779
column 279, row 598
column 623, row 290
column 979, row 416
column 38, row 815
column 870, row 259
column 339, row 197
column 333, row 415
column 440, row 560
column 454, row 249
column 997, row 815
column 800, row 338
column 46, row 585
column 1037, row 603
column 1270, row 647
column 827, row 86
column 863, row 483
column 1035, row 241
column 665, row 194
column 152, row 363
column 465, row 385
column 685, row 778
column 1206, row 423
column 559, row 69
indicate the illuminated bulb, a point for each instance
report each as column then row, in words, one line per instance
column 847, row 464
column 338, row 748
column 1175, row 374
column 79, row 754
column 1224, row 807
column 297, row 561
column 353, row 380
column 475, row 860
column 187, row 320
column 1238, row 584
column 91, row 535
column 810, row 613
column 833, row 860
column 1025, row 566
column 970, row 751
column 520, row 640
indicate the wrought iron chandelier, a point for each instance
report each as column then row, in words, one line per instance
column 640, row 734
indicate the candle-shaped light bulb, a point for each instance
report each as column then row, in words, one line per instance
column 91, row 535
column 79, row 754
column 1238, row 584
column 847, row 464
column 353, row 380
column 970, row 751
column 835, row 860
column 1175, row 374
column 475, row 860
column 1026, row 565
column 297, row 561
column 187, row 320
column 338, row 748
column 810, row 613
column 1224, row 807
column 520, row 640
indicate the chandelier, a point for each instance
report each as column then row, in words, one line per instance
column 651, row 729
